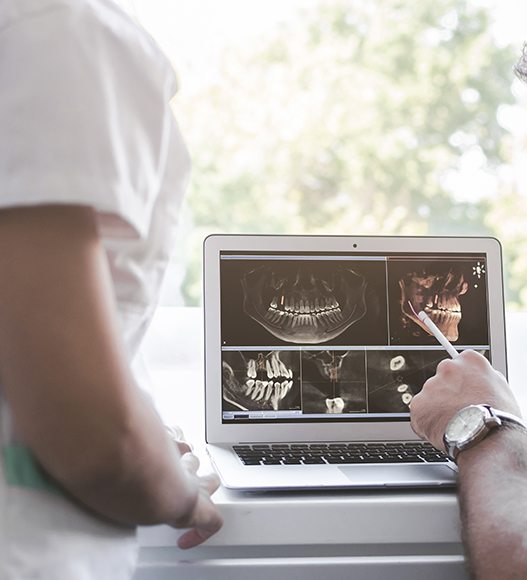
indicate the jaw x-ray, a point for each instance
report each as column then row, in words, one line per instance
column 304, row 305
column 303, row 302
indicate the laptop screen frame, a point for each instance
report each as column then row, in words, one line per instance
column 216, row 431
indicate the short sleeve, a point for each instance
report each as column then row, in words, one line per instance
column 84, row 114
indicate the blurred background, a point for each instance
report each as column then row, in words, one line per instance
column 348, row 117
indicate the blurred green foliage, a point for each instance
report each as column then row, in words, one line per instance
column 349, row 120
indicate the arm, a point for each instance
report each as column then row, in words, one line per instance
column 493, row 502
column 492, row 474
column 67, row 380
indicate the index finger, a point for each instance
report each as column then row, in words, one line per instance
column 198, row 535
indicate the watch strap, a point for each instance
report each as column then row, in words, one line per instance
column 507, row 417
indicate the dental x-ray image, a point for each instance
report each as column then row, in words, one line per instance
column 261, row 380
column 395, row 376
column 453, row 295
column 303, row 302
column 333, row 381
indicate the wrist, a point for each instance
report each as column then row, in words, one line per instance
column 473, row 424
column 509, row 441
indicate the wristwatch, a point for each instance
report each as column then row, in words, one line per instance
column 472, row 424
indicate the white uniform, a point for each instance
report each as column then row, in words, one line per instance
column 84, row 119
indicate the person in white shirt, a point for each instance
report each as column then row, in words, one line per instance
column 92, row 172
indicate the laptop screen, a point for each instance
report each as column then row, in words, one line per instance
column 332, row 337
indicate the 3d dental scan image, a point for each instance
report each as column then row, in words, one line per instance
column 333, row 381
column 453, row 295
column 261, row 380
column 303, row 302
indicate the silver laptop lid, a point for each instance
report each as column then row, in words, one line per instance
column 311, row 337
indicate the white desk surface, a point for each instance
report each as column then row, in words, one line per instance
column 381, row 525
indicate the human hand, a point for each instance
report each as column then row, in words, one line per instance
column 468, row 379
column 204, row 520
column 178, row 438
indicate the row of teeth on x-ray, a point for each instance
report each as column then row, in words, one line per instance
column 305, row 306
column 396, row 364
column 274, row 368
column 304, row 312
column 293, row 318
column 266, row 390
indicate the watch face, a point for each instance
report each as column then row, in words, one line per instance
column 466, row 424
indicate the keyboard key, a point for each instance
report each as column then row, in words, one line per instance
column 410, row 459
column 372, row 459
column 340, row 460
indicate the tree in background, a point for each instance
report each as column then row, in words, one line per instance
column 359, row 117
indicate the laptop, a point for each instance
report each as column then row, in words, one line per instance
column 313, row 353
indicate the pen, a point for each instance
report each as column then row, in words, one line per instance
column 423, row 316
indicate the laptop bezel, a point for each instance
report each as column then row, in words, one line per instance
column 218, row 432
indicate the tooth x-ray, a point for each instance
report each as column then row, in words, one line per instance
column 261, row 380
column 453, row 295
column 333, row 381
column 394, row 377
column 303, row 302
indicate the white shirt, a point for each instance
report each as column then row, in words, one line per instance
column 85, row 119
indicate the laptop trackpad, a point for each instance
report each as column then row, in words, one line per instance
column 399, row 475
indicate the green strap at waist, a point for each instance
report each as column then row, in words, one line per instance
column 22, row 470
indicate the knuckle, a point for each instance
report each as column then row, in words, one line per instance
column 474, row 357
column 445, row 366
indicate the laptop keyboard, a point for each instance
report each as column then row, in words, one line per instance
column 339, row 453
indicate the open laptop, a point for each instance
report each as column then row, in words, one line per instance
column 313, row 354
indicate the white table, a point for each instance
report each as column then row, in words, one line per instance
column 353, row 535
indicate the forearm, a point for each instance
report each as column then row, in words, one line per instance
column 139, row 481
column 493, row 502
